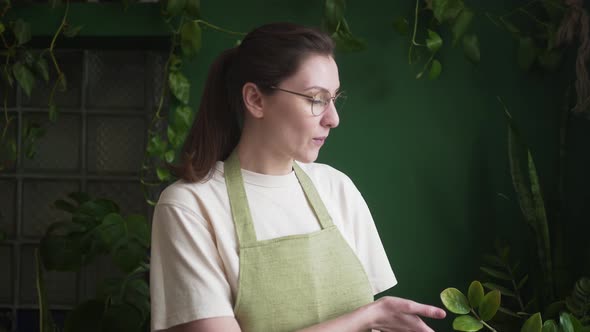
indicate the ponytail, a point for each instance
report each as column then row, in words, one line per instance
column 215, row 131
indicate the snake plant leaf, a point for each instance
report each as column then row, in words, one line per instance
column 179, row 86
column 503, row 290
column 527, row 52
column 475, row 294
column 433, row 42
column 550, row 326
column 489, row 305
column 533, row 324
column 466, row 323
column 461, row 24
column 455, row 301
column 471, row 48
column 496, row 273
column 190, row 38
column 334, row 12
column 401, row 25
column 85, row 317
column 435, row 70
column 24, row 77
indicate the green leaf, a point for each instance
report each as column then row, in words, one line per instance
column 467, row 323
column 86, row 316
column 172, row 137
column 137, row 293
column 533, row 324
column 156, row 146
column 24, row 77
column 169, row 156
column 190, row 38
column 64, row 228
column 43, row 68
column 550, row 326
column 509, row 312
column 401, row 25
column 496, row 273
column 22, row 32
column 334, row 12
column 64, row 206
column 193, row 8
column 505, row 291
column 455, row 301
column 2, row 28
column 446, row 10
column 346, row 41
column 522, row 281
column 461, row 24
column 489, row 305
column 435, row 69
column 62, row 82
column 494, row 260
column 72, row 31
column 434, row 42
column 527, row 52
column 566, row 323
column 175, row 7
column 471, row 48
column 475, row 294
column 127, row 239
column 163, row 173
column 179, row 86
column 182, row 118
column 53, row 113
column 510, row 27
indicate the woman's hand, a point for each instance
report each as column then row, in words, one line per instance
column 389, row 314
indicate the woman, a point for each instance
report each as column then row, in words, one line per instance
column 255, row 236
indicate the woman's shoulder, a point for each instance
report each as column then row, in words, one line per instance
column 184, row 193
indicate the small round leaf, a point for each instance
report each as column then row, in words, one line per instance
column 533, row 324
column 489, row 305
column 475, row 294
column 455, row 301
column 467, row 323
column 435, row 69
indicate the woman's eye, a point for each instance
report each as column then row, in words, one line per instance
column 318, row 102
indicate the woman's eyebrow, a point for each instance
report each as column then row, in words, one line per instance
column 321, row 88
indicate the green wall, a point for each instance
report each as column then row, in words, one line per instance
column 429, row 156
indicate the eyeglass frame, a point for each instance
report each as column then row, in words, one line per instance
column 339, row 94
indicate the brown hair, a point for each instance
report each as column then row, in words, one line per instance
column 266, row 56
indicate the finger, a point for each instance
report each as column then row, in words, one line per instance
column 415, row 324
column 424, row 310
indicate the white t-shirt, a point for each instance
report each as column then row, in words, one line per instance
column 194, row 260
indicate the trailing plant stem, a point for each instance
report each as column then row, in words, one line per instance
column 220, row 29
column 484, row 323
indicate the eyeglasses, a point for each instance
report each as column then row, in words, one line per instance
column 320, row 101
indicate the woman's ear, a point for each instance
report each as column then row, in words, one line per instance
column 253, row 100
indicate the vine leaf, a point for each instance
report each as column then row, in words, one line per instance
column 193, row 8
column 24, row 77
column 72, row 31
column 190, row 38
column 179, row 85
column 461, row 24
column 175, row 7
column 434, row 42
column 334, row 12
column 446, row 10
column 471, row 48
column 42, row 68
column 526, row 52
column 435, row 69
column 22, row 32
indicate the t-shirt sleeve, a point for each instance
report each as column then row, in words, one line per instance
column 368, row 245
column 187, row 278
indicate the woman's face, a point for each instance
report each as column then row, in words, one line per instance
column 291, row 127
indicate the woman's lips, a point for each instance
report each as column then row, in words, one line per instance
column 319, row 140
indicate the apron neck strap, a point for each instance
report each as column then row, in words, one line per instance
column 239, row 202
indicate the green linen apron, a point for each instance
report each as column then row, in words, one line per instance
column 295, row 281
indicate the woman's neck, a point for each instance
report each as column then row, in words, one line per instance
column 258, row 156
